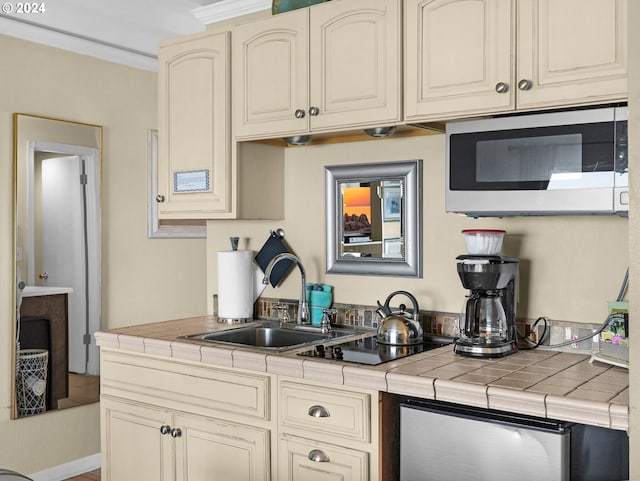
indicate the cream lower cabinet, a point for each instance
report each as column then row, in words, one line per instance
column 170, row 420
column 194, row 155
column 326, row 432
column 165, row 420
column 133, row 444
column 472, row 57
column 331, row 66
column 147, row 443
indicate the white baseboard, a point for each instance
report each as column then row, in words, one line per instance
column 68, row 470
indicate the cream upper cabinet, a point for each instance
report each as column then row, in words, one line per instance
column 328, row 67
column 194, row 160
column 472, row 57
column 458, row 55
column 571, row 52
column 270, row 75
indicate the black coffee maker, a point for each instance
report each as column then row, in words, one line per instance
column 488, row 323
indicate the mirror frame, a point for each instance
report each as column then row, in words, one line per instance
column 411, row 172
column 16, row 117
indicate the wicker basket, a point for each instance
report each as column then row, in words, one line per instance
column 31, row 381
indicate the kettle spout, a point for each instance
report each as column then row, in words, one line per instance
column 383, row 311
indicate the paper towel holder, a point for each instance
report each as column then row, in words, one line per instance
column 278, row 233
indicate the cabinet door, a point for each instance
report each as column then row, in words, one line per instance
column 458, row 57
column 194, row 161
column 213, row 449
column 133, row 446
column 354, row 63
column 571, row 52
column 270, row 72
column 304, row 459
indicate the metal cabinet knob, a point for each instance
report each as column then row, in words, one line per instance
column 176, row 432
column 313, row 111
column 319, row 412
column 165, row 430
column 502, row 88
column 318, row 456
column 299, row 114
column 44, row 276
column 159, row 198
column 525, row 84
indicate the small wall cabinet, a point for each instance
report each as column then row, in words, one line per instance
column 332, row 66
column 201, row 173
column 486, row 56
column 194, row 156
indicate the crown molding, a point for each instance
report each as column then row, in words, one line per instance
column 33, row 32
column 227, row 9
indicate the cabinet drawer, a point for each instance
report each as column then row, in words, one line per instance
column 301, row 458
column 345, row 414
column 183, row 386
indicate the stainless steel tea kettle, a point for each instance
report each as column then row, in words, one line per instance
column 399, row 327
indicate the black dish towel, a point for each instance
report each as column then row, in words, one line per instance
column 272, row 247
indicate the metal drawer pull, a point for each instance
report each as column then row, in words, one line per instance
column 176, row 432
column 165, row 429
column 318, row 456
column 319, row 412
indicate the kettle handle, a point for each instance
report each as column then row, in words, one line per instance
column 416, row 309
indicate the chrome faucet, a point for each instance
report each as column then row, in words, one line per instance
column 303, row 308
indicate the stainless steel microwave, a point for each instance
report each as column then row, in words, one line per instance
column 572, row 162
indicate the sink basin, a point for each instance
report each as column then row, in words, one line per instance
column 271, row 336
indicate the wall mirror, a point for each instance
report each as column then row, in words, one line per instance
column 374, row 220
column 57, row 254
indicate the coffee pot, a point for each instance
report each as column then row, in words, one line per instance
column 485, row 318
column 487, row 325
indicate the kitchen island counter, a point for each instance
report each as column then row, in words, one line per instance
column 539, row 382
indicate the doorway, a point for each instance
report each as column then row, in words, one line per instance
column 63, row 239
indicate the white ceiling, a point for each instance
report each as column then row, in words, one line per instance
column 122, row 31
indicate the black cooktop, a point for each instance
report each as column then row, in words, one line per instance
column 368, row 351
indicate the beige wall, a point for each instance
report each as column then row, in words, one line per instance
column 143, row 280
column 571, row 266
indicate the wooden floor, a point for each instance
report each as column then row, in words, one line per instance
column 83, row 389
column 92, row 476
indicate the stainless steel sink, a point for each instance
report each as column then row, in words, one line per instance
column 271, row 336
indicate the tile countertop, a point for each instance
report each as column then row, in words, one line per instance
column 541, row 383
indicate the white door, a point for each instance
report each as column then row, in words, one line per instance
column 68, row 238
column 62, row 245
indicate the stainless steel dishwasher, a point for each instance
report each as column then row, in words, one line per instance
column 449, row 442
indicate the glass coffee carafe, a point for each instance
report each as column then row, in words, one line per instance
column 485, row 321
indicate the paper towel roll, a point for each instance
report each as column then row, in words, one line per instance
column 236, row 284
